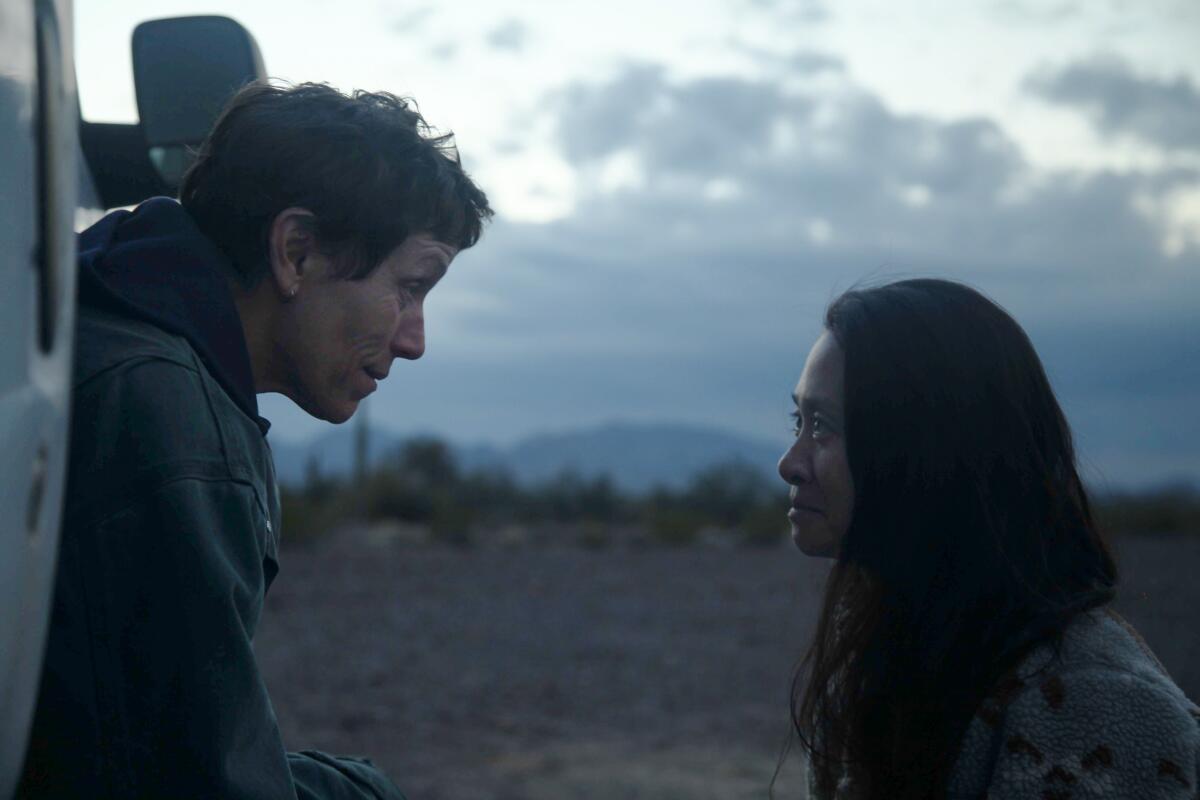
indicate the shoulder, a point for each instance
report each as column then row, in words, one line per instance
column 145, row 411
column 1099, row 648
column 1098, row 717
column 105, row 342
column 1110, row 667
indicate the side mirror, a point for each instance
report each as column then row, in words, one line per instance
column 184, row 70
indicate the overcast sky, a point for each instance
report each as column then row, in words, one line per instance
column 682, row 187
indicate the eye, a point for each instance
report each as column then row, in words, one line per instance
column 408, row 291
column 413, row 289
column 818, row 426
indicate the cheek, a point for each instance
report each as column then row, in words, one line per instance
column 324, row 334
column 359, row 325
column 371, row 325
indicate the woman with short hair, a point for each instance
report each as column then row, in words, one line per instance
column 965, row 647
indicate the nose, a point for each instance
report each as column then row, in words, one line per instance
column 409, row 339
column 795, row 466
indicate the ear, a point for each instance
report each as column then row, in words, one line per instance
column 291, row 243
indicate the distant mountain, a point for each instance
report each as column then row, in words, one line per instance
column 637, row 456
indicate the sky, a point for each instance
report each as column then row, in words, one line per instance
column 681, row 188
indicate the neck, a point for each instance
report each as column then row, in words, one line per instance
column 258, row 310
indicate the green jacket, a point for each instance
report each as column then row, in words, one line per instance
column 169, row 543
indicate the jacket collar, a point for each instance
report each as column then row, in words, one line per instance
column 153, row 263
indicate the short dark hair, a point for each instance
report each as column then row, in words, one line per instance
column 367, row 166
column 972, row 539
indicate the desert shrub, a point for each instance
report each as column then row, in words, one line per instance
column 765, row 525
column 600, row 501
column 428, row 461
column 390, row 494
column 675, row 526
column 422, row 483
column 569, row 497
column 452, row 521
column 318, row 488
column 595, row 535
column 306, row 518
column 727, row 493
column 1167, row 510
column 491, row 494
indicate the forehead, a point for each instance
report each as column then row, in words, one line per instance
column 823, row 372
column 418, row 257
column 423, row 246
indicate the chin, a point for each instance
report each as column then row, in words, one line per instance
column 814, row 543
column 336, row 413
column 341, row 413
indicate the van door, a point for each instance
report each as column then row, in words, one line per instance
column 38, row 180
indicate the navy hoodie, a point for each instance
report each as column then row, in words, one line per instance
column 153, row 263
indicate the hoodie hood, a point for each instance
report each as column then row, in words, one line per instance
column 154, row 264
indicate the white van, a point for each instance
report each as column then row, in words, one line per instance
column 57, row 175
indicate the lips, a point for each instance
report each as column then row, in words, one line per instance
column 800, row 505
column 375, row 375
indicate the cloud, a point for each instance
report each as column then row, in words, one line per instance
column 813, row 61
column 810, row 11
column 690, row 289
column 1163, row 112
column 509, row 35
column 446, row 51
column 1025, row 12
column 835, row 155
column 803, row 61
column 413, row 21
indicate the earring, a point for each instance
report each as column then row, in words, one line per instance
column 292, row 292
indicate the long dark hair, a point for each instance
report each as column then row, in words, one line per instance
column 971, row 540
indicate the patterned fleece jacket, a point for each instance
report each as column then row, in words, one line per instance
column 1102, row 720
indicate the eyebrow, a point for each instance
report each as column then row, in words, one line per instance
column 820, row 403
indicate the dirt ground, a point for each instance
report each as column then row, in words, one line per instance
column 541, row 673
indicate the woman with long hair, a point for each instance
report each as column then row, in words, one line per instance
column 964, row 647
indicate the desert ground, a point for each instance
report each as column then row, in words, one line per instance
column 529, row 673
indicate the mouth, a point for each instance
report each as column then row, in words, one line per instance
column 804, row 508
column 371, row 384
column 375, row 375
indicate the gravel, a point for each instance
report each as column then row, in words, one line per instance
column 549, row 673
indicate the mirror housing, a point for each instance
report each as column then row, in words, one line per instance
column 185, row 69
